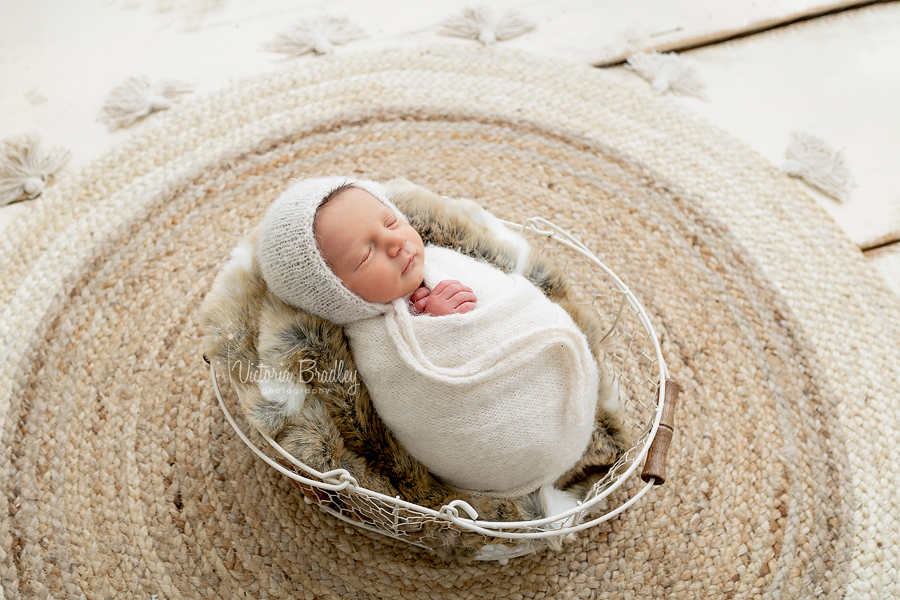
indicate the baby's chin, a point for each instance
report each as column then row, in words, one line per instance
column 415, row 280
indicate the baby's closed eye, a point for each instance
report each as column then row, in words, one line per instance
column 369, row 252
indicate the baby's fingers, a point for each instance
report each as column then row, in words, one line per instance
column 465, row 307
column 420, row 293
column 460, row 298
column 449, row 288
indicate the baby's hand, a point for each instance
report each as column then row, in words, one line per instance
column 447, row 298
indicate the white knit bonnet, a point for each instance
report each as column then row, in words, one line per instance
column 290, row 260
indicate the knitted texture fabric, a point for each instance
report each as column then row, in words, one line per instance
column 291, row 262
column 498, row 400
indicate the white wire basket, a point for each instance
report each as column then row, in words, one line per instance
column 633, row 353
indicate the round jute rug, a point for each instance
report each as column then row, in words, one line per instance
column 120, row 477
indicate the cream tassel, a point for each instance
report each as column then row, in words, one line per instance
column 24, row 169
column 138, row 97
column 319, row 35
column 816, row 163
column 486, row 26
column 667, row 72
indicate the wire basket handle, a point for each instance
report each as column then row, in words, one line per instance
column 535, row 225
column 655, row 465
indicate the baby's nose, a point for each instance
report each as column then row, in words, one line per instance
column 398, row 243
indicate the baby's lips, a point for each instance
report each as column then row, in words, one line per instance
column 409, row 263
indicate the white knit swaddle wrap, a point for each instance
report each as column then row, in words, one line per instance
column 500, row 399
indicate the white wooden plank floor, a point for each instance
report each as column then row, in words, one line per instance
column 838, row 76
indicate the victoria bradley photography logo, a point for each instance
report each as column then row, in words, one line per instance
column 307, row 372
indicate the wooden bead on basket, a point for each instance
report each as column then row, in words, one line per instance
column 655, row 465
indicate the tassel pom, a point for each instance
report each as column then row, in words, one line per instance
column 816, row 163
column 487, row 26
column 319, row 35
column 24, row 168
column 138, row 97
column 667, row 72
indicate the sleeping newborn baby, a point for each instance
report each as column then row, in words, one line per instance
column 481, row 377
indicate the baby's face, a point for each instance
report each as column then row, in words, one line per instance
column 375, row 253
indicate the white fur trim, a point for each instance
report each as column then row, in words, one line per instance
column 500, row 231
column 499, row 552
column 291, row 395
column 241, row 257
column 555, row 502
column 506, row 234
column 610, row 400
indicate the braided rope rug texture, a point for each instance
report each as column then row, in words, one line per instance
column 120, row 477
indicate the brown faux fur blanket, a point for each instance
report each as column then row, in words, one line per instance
column 245, row 326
